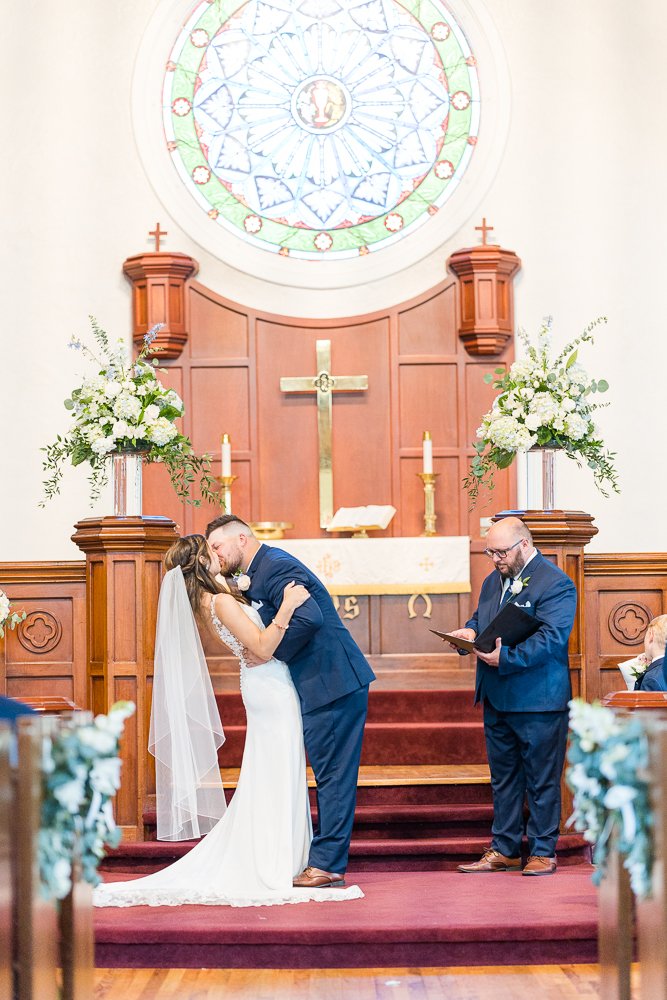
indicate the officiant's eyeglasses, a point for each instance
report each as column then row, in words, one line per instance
column 501, row 553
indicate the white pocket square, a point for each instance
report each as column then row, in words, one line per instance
column 526, row 605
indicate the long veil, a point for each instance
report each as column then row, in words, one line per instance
column 185, row 729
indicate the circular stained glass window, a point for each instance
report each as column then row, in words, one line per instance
column 326, row 128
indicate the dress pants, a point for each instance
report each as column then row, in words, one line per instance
column 333, row 736
column 526, row 752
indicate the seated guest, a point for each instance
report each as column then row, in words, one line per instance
column 10, row 709
column 655, row 640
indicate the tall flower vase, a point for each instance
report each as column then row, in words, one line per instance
column 541, row 478
column 126, row 469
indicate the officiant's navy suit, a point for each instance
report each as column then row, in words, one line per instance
column 331, row 676
column 525, row 708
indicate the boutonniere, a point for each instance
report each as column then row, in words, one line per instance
column 638, row 665
column 242, row 581
column 517, row 586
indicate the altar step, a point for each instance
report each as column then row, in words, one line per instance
column 418, row 818
column 407, row 727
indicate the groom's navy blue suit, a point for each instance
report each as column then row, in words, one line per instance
column 525, row 708
column 331, row 676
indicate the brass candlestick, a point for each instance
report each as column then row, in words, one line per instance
column 428, row 479
column 226, row 482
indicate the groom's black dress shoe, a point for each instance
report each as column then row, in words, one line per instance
column 315, row 878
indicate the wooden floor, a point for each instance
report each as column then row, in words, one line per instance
column 548, row 982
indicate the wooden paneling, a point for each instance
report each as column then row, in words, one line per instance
column 420, row 378
column 46, row 654
column 622, row 593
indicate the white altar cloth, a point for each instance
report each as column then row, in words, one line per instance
column 361, row 566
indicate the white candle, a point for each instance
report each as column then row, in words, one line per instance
column 427, row 452
column 226, row 455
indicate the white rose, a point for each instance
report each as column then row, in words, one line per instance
column 120, row 429
column 568, row 404
column 242, row 581
column 516, row 586
column 111, row 390
column 533, row 421
column 151, row 413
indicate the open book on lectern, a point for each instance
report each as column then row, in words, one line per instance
column 372, row 516
column 512, row 625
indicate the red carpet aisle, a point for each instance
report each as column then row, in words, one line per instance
column 407, row 918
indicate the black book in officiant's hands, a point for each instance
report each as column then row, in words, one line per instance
column 511, row 625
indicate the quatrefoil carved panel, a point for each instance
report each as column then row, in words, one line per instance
column 628, row 622
column 40, row 632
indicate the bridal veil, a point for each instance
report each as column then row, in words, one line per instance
column 185, row 728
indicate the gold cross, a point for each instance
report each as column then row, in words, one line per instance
column 324, row 384
column 484, row 229
column 426, row 564
column 158, row 233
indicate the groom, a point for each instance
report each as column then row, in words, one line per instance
column 331, row 676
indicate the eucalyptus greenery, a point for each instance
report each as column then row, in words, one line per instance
column 543, row 401
column 80, row 774
column 125, row 407
column 608, row 760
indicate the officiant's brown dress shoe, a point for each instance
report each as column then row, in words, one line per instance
column 315, row 878
column 492, row 861
column 536, row 865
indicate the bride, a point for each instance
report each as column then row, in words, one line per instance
column 253, row 849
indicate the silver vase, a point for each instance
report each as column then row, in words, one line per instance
column 126, row 469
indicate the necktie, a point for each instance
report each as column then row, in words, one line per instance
column 506, row 596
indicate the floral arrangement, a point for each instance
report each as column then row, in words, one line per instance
column 608, row 773
column 125, row 407
column 542, row 401
column 9, row 618
column 80, row 774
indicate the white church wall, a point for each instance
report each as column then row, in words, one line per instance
column 578, row 194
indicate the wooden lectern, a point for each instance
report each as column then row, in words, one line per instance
column 123, row 575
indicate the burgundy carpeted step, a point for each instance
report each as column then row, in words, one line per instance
column 385, row 706
column 395, row 743
column 406, row 919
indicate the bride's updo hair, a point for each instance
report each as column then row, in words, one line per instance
column 192, row 554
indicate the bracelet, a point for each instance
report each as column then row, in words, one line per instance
column 278, row 625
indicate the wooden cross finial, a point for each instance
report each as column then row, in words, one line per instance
column 484, row 229
column 157, row 233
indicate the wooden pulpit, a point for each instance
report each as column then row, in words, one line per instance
column 123, row 575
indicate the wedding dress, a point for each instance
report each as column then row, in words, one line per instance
column 251, row 855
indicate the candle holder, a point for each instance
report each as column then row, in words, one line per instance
column 226, row 482
column 428, row 479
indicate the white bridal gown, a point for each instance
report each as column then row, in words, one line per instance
column 251, row 855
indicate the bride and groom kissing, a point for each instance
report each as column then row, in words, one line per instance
column 304, row 684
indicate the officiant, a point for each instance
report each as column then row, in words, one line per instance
column 524, row 690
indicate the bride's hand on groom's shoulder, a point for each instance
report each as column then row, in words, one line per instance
column 294, row 595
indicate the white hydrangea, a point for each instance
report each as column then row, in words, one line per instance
column 70, row 794
column 105, row 775
column 161, row 432
column 174, row 400
column 103, row 445
column 576, row 426
column 507, row 433
column 4, row 606
column 127, row 406
column 111, row 389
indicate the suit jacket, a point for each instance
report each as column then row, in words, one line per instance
column 654, row 679
column 10, row 709
column 323, row 658
column 533, row 676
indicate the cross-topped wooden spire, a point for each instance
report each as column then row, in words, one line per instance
column 484, row 229
column 157, row 233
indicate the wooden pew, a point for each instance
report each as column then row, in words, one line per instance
column 6, row 921
column 615, row 932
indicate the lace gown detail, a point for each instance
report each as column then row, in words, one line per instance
column 250, row 857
